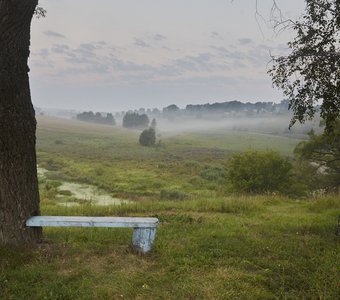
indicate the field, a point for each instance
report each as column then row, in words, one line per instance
column 112, row 159
column 210, row 244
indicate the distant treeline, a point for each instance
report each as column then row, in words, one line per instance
column 237, row 106
column 140, row 118
column 217, row 108
column 97, row 118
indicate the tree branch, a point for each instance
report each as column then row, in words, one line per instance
column 323, row 6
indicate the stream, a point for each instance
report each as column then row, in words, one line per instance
column 74, row 194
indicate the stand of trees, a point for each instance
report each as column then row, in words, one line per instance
column 96, row 118
column 135, row 120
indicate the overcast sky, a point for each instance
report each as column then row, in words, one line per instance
column 111, row 55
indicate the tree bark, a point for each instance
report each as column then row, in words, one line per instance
column 19, row 194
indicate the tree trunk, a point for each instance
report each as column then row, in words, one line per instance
column 19, row 194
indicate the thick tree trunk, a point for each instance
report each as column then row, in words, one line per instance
column 19, row 195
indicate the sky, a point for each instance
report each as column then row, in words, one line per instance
column 115, row 55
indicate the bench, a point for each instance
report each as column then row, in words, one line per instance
column 143, row 234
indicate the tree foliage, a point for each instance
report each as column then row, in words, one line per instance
column 148, row 137
column 310, row 75
column 135, row 120
column 171, row 109
column 40, row 12
column 259, row 172
column 96, row 118
column 323, row 153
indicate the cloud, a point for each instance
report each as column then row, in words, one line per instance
column 222, row 50
column 201, row 62
column 43, row 53
column 245, row 41
column 55, row 34
column 60, row 48
column 101, row 60
column 234, row 59
column 254, row 56
column 141, row 43
column 159, row 37
column 209, row 80
column 128, row 66
column 90, row 47
column 215, row 35
column 102, row 63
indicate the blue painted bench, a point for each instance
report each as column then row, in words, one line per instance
column 143, row 234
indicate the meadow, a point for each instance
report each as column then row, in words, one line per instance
column 210, row 244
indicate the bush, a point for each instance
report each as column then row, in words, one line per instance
column 259, row 172
column 148, row 137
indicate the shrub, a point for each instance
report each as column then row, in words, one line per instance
column 148, row 137
column 259, row 172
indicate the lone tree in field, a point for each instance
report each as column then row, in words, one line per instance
column 19, row 195
column 148, row 137
column 310, row 74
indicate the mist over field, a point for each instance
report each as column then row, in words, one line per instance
column 267, row 124
column 276, row 124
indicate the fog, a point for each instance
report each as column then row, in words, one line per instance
column 262, row 117
column 276, row 125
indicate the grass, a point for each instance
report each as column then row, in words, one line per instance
column 209, row 244
column 112, row 159
column 230, row 248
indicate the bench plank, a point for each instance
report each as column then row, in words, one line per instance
column 143, row 234
column 112, row 222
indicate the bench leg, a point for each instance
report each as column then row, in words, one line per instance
column 142, row 240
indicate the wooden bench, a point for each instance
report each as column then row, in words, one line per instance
column 143, row 234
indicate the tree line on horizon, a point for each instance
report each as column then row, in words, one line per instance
column 228, row 107
column 140, row 119
column 96, row 118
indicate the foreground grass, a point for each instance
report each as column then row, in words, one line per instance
column 226, row 248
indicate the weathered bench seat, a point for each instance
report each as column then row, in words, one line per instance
column 143, row 235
